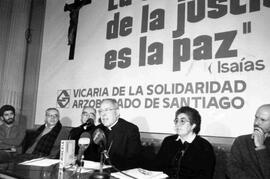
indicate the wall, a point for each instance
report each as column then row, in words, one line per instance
column 155, row 56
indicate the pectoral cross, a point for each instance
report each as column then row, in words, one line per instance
column 74, row 10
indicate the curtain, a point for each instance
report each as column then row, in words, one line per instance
column 14, row 20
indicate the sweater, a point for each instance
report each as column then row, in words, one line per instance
column 245, row 162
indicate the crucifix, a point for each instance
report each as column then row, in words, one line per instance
column 74, row 9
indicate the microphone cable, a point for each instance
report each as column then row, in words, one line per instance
column 109, row 162
column 107, row 158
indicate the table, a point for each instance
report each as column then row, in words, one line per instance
column 35, row 172
column 15, row 170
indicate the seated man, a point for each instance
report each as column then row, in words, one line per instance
column 186, row 155
column 89, row 121
column 123, row 143
column 46, row 140
column 11, row 133
column 250, row 154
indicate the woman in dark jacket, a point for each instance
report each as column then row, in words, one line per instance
column 186, row 155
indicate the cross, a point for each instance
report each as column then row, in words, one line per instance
column 74, row 9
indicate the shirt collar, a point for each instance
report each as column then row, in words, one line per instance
column 188, row 139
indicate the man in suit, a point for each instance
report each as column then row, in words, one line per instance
column 123, row 143
column 46, row 139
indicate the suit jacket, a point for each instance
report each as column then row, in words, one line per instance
column 124, row 145
column 32, row 134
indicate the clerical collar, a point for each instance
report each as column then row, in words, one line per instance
column 189, row 138
column 110, row 128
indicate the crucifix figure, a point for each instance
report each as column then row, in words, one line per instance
column 74, row 9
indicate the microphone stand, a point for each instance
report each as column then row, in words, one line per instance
column 101, row 174
column 79, row 161
column 104, row 157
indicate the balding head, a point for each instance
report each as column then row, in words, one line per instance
column 262, row 118
column 109, row 112
column 265, row 107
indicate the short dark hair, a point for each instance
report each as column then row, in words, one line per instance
column 88, row 107
column 54, row 109
column 5, row 108
column 193, row 115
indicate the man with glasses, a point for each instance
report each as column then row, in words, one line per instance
column 89, row 121
column 123, row 137
column 46, row 140
column 250, row 154
column 186, row 154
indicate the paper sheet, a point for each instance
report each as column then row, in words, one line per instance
column 79, row 170
column 42, row 162
column 140, row 173
column 94, row 165
column 89, row 166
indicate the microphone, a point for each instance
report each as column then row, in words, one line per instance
column 83, row 143
column 99, row 138
column 90, row 121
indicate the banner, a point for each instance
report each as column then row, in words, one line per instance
column 154, row 56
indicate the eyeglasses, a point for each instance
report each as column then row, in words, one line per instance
column 88, row 114
column 101, row 111
column 85, row 114
column 52, row 116
column 180, row 121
